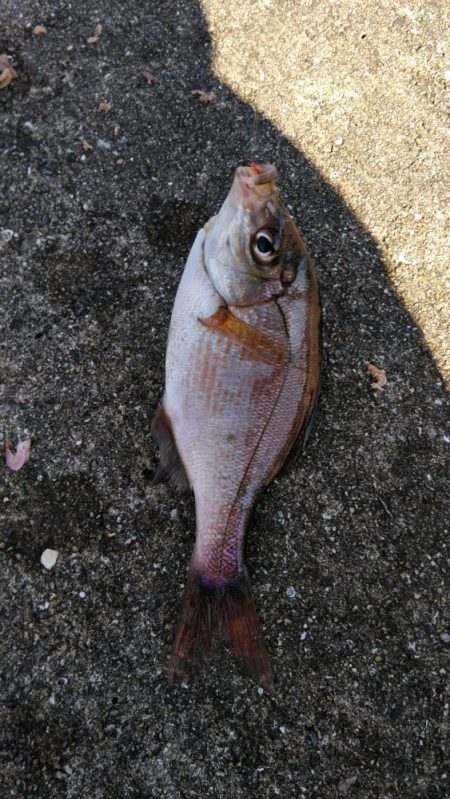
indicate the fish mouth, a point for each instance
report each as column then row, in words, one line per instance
column 255, row 185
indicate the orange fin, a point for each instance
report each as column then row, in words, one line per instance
column 170, row 469
column 259, row 346
column 209, row 614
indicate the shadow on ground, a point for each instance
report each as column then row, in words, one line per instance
column 98, row 238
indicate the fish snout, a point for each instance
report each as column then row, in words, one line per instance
column 255, row 185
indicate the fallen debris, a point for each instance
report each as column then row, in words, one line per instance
column 39, row 30
column 104, row 106
column 85, row 145
column 49, row 558
column 97, row 33
column 149, row 78
column 15, row 460
column 379, row 376
column 205, row 97
column 7, row 71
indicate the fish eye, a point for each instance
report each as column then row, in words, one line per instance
column 263, row 248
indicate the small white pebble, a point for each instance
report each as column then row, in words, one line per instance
column 260, row 690
column 345, row 785
column 401, row 258
column 173, row 513
column 49, row 558
column 82, row 594
column 291, row 592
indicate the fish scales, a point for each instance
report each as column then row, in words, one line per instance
column 242, row 378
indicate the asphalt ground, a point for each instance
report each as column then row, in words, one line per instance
column 348, row 553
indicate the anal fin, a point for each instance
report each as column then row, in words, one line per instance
column 170, row 469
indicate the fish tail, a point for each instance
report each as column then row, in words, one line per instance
column 210, row 613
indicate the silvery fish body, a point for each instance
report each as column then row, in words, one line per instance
column 242, row 380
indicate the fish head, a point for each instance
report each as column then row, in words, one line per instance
column 253, row 238
column 257, row 221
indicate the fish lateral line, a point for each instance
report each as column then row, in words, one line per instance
column 257, row 344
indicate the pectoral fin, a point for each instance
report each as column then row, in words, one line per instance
column 170, row 469
column 256, row 344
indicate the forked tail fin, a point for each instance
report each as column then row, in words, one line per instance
column 209, row 614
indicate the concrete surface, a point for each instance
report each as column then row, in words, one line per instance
column 363, row 89
column 348, row 552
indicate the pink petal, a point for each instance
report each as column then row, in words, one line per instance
column 16, row 460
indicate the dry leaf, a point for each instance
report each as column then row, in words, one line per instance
column 85, row 145
column 97, row 33
column 149, row 78
column 117, row 130
column 7, row 72
column 15, row 460
column 39, row 30
column 379, row 376
column 104, row 106
column 205, row 97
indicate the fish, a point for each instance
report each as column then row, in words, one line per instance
column 242, row 381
